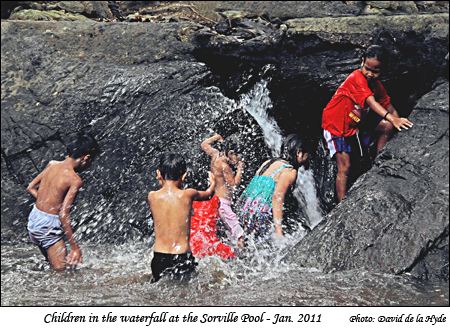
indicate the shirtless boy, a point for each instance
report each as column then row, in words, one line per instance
column 226, row 182
column 171, row 207
column 55, row 190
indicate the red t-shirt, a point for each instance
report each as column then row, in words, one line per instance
column 354, row 90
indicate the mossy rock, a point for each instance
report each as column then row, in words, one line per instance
column 50, row 15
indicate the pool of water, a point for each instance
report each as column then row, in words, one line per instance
column 120, row 275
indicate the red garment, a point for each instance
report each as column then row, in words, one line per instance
column 354, row 90
column 203, row 240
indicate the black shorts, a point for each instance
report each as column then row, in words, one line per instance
column 176, row 266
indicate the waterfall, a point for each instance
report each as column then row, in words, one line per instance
column 306, row 194
column 257, row 102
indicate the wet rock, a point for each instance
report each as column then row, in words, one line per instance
column 395, row 218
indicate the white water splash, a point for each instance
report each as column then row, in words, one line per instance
column 256, row 103
column 305, row 192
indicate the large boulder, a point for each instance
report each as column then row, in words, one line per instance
column 396, row 217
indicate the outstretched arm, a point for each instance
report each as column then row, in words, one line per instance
column 392, row 110
column 284, row 182
column 390, row 114
column 206, row 145
column 205, row 195
column 74, row 256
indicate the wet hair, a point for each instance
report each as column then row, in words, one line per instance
column 291, row 145
column 172, row 166
column 84, row 144
column 227, row 145
column 376, row 51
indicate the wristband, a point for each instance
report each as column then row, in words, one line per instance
column 387, row 112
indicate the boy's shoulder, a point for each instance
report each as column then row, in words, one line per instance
column 190, row 192
column 153, row 193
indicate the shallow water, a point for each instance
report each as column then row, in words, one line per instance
column 120, row 275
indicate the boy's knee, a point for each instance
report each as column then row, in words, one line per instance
column 343, row 165
column 385, row 127
column 344, row 168
column 344, row 172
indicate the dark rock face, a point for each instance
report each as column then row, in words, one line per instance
column 395, row 218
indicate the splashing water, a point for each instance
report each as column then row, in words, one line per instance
column 256, row 103
column 306, row 194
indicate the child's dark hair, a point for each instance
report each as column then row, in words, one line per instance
column 84, row 144
column 376, row 51
column 172, row 166
column 227, row 145
column 291, row 145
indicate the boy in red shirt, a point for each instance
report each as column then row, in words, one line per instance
column 350, row 106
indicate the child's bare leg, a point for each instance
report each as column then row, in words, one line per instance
column 343, row 163
column 57, row 255
column 384, row 132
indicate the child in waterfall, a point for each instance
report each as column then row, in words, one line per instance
column 361, row 100
column 226, row 182
column 171, row 207
column 260, row 207
column 55, row 189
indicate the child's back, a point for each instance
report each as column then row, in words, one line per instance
column 171, row 207
column 56, row 179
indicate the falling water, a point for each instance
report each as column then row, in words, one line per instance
column 257, row 102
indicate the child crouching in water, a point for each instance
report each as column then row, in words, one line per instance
column 171, row 207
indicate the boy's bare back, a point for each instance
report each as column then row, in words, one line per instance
column 55, row 183
column 171, row 208
column 220, row 168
